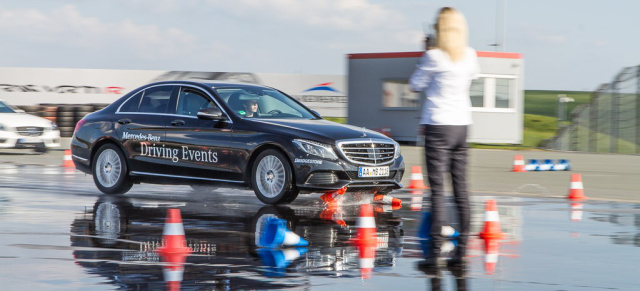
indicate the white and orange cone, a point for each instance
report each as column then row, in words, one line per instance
column 492, row 228
column 67, row 162
column 173, row 237
column 417, row 181
column 576, row 191
column 334, row 197
column 366, row 240
column 518, row 164
column 385, row 199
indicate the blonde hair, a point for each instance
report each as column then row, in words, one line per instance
column 452, row 33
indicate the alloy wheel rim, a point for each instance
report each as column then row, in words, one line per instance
column 270, row 176
column 109, row 168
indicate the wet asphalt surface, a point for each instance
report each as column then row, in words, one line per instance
column 57, row 232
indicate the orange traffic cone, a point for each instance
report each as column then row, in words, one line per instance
column 492, row 251
column 173, row 238
column 518, row 164
column 492, row 228
column 333, row 213
column 416, row 182
column 333, row 198
column 385, row 199
column 366, row 240
column 67, row 162
column 576, row 192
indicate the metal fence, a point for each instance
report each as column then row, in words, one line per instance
column 610, row 123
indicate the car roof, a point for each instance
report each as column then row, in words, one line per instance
column 218, row 84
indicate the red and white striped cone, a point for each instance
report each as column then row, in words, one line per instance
column 173, row 237
column 518, row 164
column 334, row 214
column 385, row 199
column 417, row 181
column 416, row 200
column 576, row 211
column 67, row 162
column 492, row 228
column 576, row 192
column 366, row 240
column 334, row 198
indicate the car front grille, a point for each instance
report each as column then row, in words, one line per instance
column 30, row 131
column 368, row 152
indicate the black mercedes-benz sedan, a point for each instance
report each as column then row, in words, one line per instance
column 203, row 134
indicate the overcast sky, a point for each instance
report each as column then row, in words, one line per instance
column 567, row 45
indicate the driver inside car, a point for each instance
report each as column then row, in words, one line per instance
column 250, row 108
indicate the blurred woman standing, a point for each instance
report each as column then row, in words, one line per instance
column 444, row 74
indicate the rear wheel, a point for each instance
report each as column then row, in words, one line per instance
column 271, row 178
column 110, row 172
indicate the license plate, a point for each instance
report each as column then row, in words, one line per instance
column 365, row 172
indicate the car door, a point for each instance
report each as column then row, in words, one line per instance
column 203, row 144
column 141, row 123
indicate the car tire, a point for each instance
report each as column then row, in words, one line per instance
column 110, row 171
column 272, row 178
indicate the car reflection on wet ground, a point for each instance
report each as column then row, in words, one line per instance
column 58, row 233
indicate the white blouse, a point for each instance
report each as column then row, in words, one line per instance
column 447, row 86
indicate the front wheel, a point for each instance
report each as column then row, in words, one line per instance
column 110, row 172
column 271, row 178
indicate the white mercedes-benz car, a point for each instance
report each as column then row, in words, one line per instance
column 19, row 130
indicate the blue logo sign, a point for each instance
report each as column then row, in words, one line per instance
column 322, row 87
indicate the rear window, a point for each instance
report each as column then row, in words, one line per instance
column 132, row 104
column 156, row 99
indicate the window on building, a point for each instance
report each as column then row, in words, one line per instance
column 396, row 93
column 476, row 92
column 503, row 92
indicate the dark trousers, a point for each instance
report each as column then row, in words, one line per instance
column 446, row 152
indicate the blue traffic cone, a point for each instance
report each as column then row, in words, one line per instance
column 547, row 165
column 532, row 165
column 278, row 260
column 425, row 228
column 562, row 165
column 275, row 234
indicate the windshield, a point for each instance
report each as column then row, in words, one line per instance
column 251, row 102
column 6, row 108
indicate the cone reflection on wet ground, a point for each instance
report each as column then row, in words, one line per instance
column 366, row 240
column 174, row 250
column 416, row 200
column 576, row 211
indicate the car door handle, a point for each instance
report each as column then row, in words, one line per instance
column 178, row 122
column 124, row 121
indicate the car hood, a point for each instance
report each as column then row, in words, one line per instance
column 318, row 129
column 23, row 119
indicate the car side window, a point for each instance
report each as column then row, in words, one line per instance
column 132, row 104
column 190, row 101
column 156, row 99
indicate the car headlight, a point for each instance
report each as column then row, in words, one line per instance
column 315, row 148
column 54, row 126
column 397, row 152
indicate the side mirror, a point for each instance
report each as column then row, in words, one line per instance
column 210, row 114
column 19, row 111
column 316, row 113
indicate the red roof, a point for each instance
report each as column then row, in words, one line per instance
column 499, row 55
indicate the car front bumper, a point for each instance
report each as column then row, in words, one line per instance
column 13, row 140
column 316, row 175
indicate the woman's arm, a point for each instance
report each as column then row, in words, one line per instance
column 423, row 73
